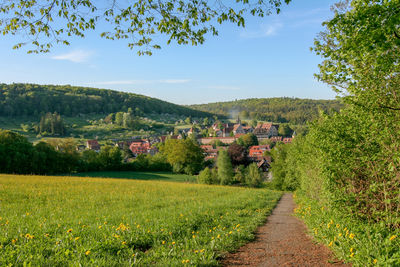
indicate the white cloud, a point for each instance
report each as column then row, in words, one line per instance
column 265, row 30
column 224, row 87
column 77, row 56
column 174, row 81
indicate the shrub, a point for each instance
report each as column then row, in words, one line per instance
column 253, row 177
column 205, row 177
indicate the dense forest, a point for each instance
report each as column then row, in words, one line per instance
column 32, row 99
column 282, row 109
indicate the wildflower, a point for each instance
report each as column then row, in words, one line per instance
column 69, row 230
column 77, row 238
column 28, row 236
column 352, row 249
column 392, row 237
column 133, row 255
column 351, row 255
column 375, row 261
column 330, row 244
column 163, row 242
column 218, row 236
column 116, row 236
column 123, row 243
column 14, row 241
column 173, row 243
column 209, row 230
column 196, row 251
column 230, row 232
column 99, row 226
column 351, row 236
column 194, row 236
column 340, row 234
column 46, row 235
column 87, row 252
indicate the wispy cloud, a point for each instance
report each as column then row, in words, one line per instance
column 265, row 30
column 137, row 82
column 175, row 81
column 224, row 87
column 77, row 56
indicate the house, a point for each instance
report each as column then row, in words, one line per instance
column 263, row 165
column 238, row 129
column 276, row 139
column 287, row 140
column 256, row 153
column 93, row 145
column 140, row 146
column 266, row 130
column 248, row 129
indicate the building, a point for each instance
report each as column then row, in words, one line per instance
column 210, row 140
column 256, row 153
column 266, row 130
column 93, row 145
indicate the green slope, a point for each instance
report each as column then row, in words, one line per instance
column 32, row 100
column 282, row 109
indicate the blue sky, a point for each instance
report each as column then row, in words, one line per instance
column 271, row 57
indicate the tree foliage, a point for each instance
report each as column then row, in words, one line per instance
column 282, row 110
column 32, row 99
column 225, row 169
column 184, row 155
column 46, row 22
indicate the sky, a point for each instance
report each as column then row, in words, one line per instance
column 270, row 57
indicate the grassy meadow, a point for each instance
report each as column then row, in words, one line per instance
column 60, row 221
column 160, row 176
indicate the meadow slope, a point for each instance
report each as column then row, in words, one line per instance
column 59, row 221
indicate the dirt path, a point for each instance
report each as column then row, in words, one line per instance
column 282, row 241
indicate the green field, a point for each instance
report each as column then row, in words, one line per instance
column 161, row 176
column 69, row 221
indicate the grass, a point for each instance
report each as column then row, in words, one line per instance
column 71, row 221
column 360, row 243
column 160, row 176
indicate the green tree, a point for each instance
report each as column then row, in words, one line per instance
column 253, row 176
column 285, row 130
column 184, row 155
column 46, row 22
column 248, row 140
column 225, row 170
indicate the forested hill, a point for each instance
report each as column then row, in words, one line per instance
column 33, row 99
column 283, row 109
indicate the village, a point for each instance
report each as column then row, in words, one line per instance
column 220, row 136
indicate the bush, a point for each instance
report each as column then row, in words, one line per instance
column 225, row 170
column 205, row 177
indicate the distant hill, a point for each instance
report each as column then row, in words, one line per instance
column 284, row 109
column 33, row 99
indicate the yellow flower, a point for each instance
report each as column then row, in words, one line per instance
column 173, row 243
column 352, row 249
column 351, row 236
column 163, row 242
column 330, row 244
column 340, row 234
column 46, row 235
column 392, row 237
column 69, row 230
column 87, row 252
column 375, row 261
column 218, row 236
column 28, row 236
column 337, row 225
column 99, row 226
column 77, row 238
column 194, row 236
column 123, row 243
column 133, row 255
column 230, row 232
column 14, row 240
column 351, row 255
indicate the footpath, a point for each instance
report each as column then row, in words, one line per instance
column 282, row 241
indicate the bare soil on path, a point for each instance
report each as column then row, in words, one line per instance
column 282, row 241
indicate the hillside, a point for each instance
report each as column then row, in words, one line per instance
column 283, row 109
column 32, row 100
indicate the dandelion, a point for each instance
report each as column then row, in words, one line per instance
column 351, row 255
column 375, row 261
column 351, row 250
column 230, row 232
column 337, row 225
column 69, row 230
column 14, row 241
column 163, row 242
column 77, row 238
column 133, row 255
column 351, row 236
column 99, row 226
column 123, row 243
column 46, row 235
column 173, row 243
column 330, row 244
column 340, row 234
column 194, row 236
column 392, row 237
column 218, row 236
column 28, row 236
column 87, row 252
column 116, row 236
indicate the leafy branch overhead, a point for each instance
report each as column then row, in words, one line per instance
column 42, row 23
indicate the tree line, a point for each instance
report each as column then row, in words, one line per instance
column 282, row 109
column 35, row 100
